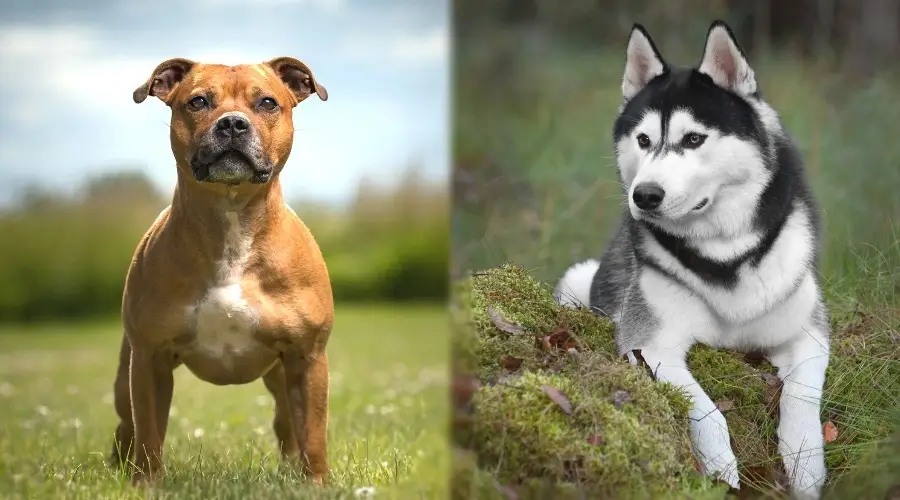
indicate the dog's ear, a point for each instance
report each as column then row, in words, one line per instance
column 725, row 62
column 642, row 62
column 163, row 80
column 298, row 77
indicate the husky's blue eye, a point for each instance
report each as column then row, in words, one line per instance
column 643, row 141
column 693, row 140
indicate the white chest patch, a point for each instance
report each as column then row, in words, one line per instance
column 223, row 320
column 760, row 289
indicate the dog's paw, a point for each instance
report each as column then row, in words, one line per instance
column 730, row 475
column 715, row 455
column 807, row 483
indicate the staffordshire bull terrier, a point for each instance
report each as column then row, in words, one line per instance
column 228, row 281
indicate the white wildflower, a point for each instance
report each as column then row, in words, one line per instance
column 364, row 492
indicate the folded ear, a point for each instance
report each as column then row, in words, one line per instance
column 298, row 77
column 642, row 62
column 725, row 62
column 163, row 80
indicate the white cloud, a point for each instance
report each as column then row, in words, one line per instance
column 64, row 63
column 425, row 47
column 73, row 66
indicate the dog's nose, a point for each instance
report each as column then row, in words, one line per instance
column 232, row 125
column 648, row 196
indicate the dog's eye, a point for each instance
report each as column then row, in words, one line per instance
column 268, row 104
column 643, row 141
column 198, row 102
column 693, row 140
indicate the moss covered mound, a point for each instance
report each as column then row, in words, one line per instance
column 605, row 429
column 556, row 409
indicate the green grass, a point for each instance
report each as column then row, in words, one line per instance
column 387, row 422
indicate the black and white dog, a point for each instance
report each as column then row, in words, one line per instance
column 718, row 245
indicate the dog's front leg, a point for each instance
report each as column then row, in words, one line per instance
column 801, row 366
column 151, row 390
column 306, row 384
column 709, row 431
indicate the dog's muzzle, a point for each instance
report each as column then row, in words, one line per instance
column 230, row 153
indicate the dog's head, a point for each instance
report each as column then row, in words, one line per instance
column 691, row 143
column 231, row 124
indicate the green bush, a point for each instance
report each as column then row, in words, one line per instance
column 66, row 257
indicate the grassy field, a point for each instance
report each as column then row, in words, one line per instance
column 535, row 184
column 387, row 418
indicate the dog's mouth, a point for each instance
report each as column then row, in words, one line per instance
column 230, row 167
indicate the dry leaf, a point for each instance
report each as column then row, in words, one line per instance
column 830, row 430
column 559, row 398
column 621, row 398
column 545, row 343
column 595, row 440
column 502, row 323
column 773, row 391
column 562, row 339
column 725, row 405
column 511, row 363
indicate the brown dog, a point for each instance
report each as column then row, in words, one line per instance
column 228, row 281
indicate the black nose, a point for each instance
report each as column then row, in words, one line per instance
column 232, row 126
column 648, row 196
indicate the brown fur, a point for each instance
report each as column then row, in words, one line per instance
column 284, row 279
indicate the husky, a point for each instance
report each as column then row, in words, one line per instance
column 718, row 245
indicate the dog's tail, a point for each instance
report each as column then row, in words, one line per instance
column 574, row 289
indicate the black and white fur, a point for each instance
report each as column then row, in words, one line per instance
column 718, row 245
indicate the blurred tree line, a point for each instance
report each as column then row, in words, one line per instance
column 862, row 36
column 66, row 256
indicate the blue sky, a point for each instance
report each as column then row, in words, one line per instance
column 67, row 74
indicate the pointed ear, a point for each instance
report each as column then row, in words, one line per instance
column 725, row 62
column 163, row 80
column 642, row 62
column 298, row 78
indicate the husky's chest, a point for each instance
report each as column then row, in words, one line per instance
column 761, row 285
column 222, row 322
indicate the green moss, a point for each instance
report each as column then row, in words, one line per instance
column 639, row 448
column 625, row 435
column 522, row 301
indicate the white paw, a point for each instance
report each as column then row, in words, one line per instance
column 712, row 447
column 807, row 481
column 723, row 468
